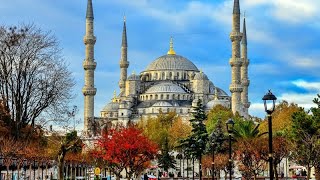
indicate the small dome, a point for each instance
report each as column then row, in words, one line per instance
column 162, row 104
column 165, row 88
column 213, row 103
column 200, row 76
column 133, row 77
column 112, row 106
column 172, row 62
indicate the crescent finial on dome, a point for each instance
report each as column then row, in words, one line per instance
column 171, row 51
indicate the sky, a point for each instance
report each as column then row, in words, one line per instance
column 283, row 41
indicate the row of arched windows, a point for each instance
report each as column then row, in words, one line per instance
column 171, row 75
column 166, row 96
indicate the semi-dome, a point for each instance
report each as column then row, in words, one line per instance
column 112, row 106
column 201, row 76
column 133, row 77
column 162, row 104
column 171, row 62
column 165, row 88
column 216, row 102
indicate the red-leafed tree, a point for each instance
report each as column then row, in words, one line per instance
column 126, row 149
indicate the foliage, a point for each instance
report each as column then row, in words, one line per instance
column 281, row 117
column 126, row 148
column 247, row 152
column 305, row 136
column 34, row 78
column 71, row 142
column 218, row 112
column 165, row 159
column 249, row 158
column 179, row 130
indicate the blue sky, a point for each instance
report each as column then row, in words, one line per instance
column 283, row 38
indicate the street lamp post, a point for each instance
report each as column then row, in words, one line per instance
column 201, row 142
column 230, row 126
column 25, row 167
column 270, row 98
column 213, row 170
column 14, row 164
column 1, row 164
column 35, row 165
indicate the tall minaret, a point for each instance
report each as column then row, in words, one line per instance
column 236, row 61
column 124, row 63
column 244, row 71
column 89, row 66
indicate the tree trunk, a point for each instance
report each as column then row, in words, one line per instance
column 317, row 172
column 61, row 166
column 309, row 171
column 275, row 171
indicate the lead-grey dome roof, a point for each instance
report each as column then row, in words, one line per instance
column 171, row 62
column 112, row 106
column 201, row 76
column 165, row 88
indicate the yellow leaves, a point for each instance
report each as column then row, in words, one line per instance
column 281, row 117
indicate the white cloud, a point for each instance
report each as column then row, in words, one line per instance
column 289, row 11
column 311, row 86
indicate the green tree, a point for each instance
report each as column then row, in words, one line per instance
column 165, row 158
column 305, row 136
column 217, row 113
column 199, row 135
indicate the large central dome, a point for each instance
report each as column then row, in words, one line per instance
column 171, row 62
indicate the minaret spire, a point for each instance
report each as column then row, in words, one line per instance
column 124, row 63
column 89, row 65
column 89, row 14
column 236, row 61
column 244, row 71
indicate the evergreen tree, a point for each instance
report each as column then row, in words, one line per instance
column 165, row 159
column 199, row 135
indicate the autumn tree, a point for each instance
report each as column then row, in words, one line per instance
column 281, row 117
column 126, row 149
column 34, row 79
column 247, row 153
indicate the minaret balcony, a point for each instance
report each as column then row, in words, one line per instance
column 89, row 39
column 235, row 62
column 89, row 91
column 235, row 88
column 89, row 65
column 235, row 36
column 246, row 104
column 124, row 64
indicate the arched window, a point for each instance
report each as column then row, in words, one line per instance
column 147, row 97
column 156, row 76
column 173, row 96
column 161, row 97
column 150, row 97
column 178, row 98
column 163, row 76
column 167, row 96
column 178, row 75
column 170, row 75
column 156, row 96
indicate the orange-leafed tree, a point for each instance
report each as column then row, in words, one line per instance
column 126, row 149
column 249, row 158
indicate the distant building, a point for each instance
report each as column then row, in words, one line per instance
column 169, row 83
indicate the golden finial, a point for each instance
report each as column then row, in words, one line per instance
column 171, row 51
column 133, row 72
column 114, row 99
column 201, row 71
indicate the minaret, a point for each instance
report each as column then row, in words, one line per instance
column 244, row 71
column 89, row 65
column 236, row 61
column 124, row 63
